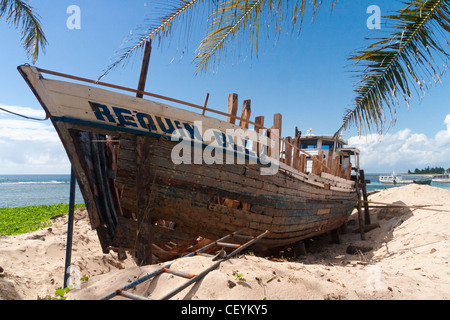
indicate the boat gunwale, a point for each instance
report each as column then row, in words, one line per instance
column 145, row 93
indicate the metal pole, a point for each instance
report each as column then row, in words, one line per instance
column 70, row 227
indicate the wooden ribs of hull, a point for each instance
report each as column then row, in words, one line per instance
column 213, row 200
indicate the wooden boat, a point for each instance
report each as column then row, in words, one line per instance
column 422, row 181
column 121, row 149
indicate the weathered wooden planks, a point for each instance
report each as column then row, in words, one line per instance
column 185, row 195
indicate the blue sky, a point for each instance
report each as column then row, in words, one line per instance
column 304, row 77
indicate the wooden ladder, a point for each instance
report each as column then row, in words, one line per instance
column 191, row 277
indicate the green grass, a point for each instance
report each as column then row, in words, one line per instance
column 21, row 220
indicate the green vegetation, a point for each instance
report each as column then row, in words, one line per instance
column 21, row 220
column 60, row 293
column 238, row 276
column 428, row 170
column 21, row 15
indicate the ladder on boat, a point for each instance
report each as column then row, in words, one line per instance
column 191, row 278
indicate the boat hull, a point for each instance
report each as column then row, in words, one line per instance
column 137, row 197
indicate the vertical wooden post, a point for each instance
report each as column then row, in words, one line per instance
column 144, row 68
column 246, row 113
column 296, row 155
column 277, row 124
column 205, row 104
column 330, row 160
column 288, row 151
column 365, row 198
column 349, row 172
column 321, row 162
column 258, row 128
column 360, row 215
column 232, row 107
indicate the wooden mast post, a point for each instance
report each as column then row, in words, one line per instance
column 144, row 69
column 144, row 238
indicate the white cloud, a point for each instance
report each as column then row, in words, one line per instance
column 31, row 147
column 403, row 150
column 443, row 137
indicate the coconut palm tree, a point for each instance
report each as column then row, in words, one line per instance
column 389, row 67
column 20, row 14
column 413, row 56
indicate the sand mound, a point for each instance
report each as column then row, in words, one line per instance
column 407, row 258
column 33, row 264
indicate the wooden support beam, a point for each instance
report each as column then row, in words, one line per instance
column 360, row 215
column 296, row 153
column 259, row 125
column 205, row 104
column 365, row 198
column 302, row 166
column 246, row 113
column 330, row 159
column 277, row 125
column 349, row 172
column 288, row 151
column 232, row 108
column 144, row 69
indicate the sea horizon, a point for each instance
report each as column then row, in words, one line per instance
column 23, row 190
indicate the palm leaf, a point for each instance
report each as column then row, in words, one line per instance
column 21, row 15
column 229, row 18
column 173, row 12
column 247, row 18
column 392, row 67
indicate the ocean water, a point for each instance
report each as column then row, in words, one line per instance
column 32, row 190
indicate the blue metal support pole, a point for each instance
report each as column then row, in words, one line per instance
column 70, row 227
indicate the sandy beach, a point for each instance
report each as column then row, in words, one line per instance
column 407, row 257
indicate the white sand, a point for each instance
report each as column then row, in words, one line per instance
column 411, row 261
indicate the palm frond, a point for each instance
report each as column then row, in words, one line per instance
column 246, row 17
column 21, row 15
column 174, row 11
column 395, row 66
column 229, row 17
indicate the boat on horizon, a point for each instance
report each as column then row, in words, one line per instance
column 147, row 192
column 394, row 179
column 424, row 181
column 444, row 178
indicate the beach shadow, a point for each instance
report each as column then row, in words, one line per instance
column 324, row 249
column 7, row 289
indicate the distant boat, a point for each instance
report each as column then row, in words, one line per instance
column 422, row 181
column 394, row 179
column 445, row 178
